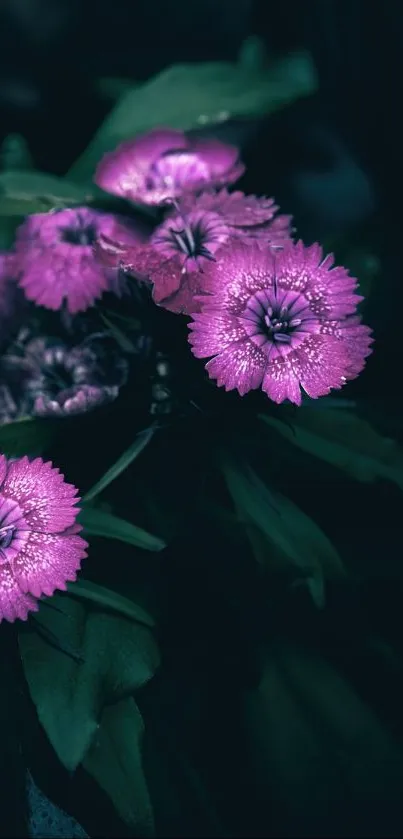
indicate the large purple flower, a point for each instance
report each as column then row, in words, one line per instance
column 165, row 164
column 45, row 377
column 281, row 321
column 39, row 547
column 11, row 297
column 178, row 254
column 55, row 260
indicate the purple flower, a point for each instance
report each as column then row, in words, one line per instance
column 247, row 217
column 281, row 321
column 55, row 259
column 177, row 256
column 48, row 378
column 165, row 164
column 11, row 297
column 39, row 547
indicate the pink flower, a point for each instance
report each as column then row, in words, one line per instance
column 39, row 546
column 281, row 321
column 165, row 164
column 247, row 217
column 11, row 297
column 180, row 250
column 55, row 259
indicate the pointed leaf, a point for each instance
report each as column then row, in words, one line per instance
column 115, row 762
column 110, row 600
column 186, row 96
column 99, row 523
column 118, row 656
column 346, row 441
column 140, row 442
column 289, row 531
column 23, row 192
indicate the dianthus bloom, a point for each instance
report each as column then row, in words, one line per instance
column 55, row 260
column 165, row 164
column 39, row 547
column 281, row 321
column 11, row 297
column 45, row 377
column 178, row 253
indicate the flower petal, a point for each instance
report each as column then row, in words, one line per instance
column 46, row 501
column 14, row 603
column 48, row 561
column 239, row 367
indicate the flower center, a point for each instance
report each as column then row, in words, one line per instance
column 84, row 235
column 192, row 236
column 277, row 320
column 6, row 536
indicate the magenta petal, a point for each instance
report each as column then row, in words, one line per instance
column 14, row 603
column 220, row 157
column 320, row 364
column 239, row 367
column 47, row 562
column 47, row 502
column 213, row 332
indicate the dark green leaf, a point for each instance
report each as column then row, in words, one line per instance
column 108, row 599
column 345, row 441
column 291, row 534
column 28, row 436
column 186, row 96
column 99, row 523
column 15, row 154
column 118, row 657
column 23, row 192
column 140, row 442
column 315, row 745
column 115, row 762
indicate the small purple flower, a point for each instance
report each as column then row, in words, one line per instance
column 52, row 379
column 55, row 260
column 247, row 217
column 165, row 164
column 178, row 253
column 40, row 550
column 281, row 321
column 11, row 297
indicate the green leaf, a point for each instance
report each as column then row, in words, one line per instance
column 115, row 762
column 23, row 192
column 346, row 441
column 186, row 96
column 140, row 442
column 28, row 436
column 291, row 534
column 118, row 657
column 315, row 745
column 99, row 523
column 108, row 599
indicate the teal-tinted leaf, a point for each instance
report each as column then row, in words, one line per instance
column 141, row 441
column 98, row 523
column 28, row 436
column 291, row 534
column 121, row 339
column 345, row 441
column 15, row 154
column 186, row 96
column 314, row 745
column 116, row 764
column 24, row 192
column 107, row 599
column 118, row 657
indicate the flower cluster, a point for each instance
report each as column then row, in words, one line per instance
column 264, row 310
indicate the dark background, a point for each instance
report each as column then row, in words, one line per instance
column 52, row 53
